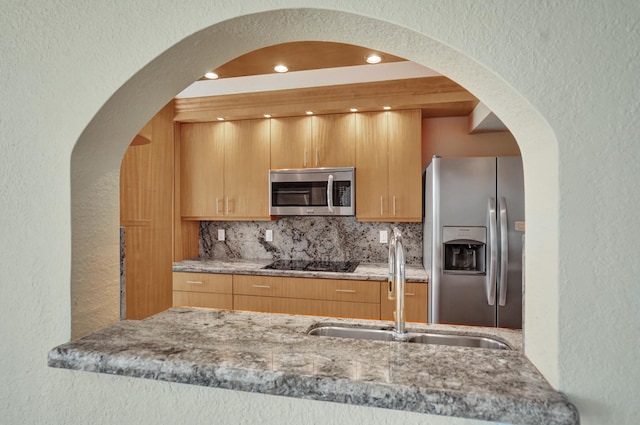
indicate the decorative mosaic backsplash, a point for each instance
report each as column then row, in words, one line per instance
column 307, row 238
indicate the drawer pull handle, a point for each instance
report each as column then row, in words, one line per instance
column 262, row 286
column 195, row 282
column 409, row 294
column 349, row 291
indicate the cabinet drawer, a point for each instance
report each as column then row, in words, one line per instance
column 203, row 282
column 307, row 288
column 415, row 302
column 202, row 299
column 307, row 307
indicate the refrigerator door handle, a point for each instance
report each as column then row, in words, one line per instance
column 493, row 254
column 504, row 251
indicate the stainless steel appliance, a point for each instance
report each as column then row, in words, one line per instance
column 471, row 249
column 312, row 191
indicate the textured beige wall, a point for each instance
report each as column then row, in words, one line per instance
column 95, row 72
column 449, row 137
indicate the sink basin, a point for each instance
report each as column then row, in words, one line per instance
column 412, row 337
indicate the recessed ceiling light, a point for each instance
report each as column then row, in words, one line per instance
column 220, row 119
column 280, row 68
column 309, row 112
column 354, row 109
column 386, row 108
column 374, row 58
column 267, row 115
column 211, row 75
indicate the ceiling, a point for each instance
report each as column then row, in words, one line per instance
column 315, row 69
column 299, row 56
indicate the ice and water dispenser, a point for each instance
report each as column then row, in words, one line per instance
column 464, row 250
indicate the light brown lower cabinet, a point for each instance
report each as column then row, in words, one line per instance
column 318, row 297
column 203, row 290
column 363, row 299
column 307, row 307
column 415, row 302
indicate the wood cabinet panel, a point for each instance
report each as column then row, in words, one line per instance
column 207, row 290
column 307, row 288
column 405, row 165
column 415, row 302
column 307, row 307
column 290, row 142
column 372, row 166
column 224, row 170
column 202, row 169
column 333, row 142
column 202, row 299
column 246, row 165
column 388, row 166
column 135, row 184
column 186, row 233
column 146, row 199
column 203, row 282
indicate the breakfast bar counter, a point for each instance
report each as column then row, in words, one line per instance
column 272, row 354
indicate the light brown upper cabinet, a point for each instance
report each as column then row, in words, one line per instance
column 290, row 142
column 201, row 169
column 313, row 141
column 246, row 168
column 388, row 166
column 224, row 170
column 333, row 139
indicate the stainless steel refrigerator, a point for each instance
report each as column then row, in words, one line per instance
column 471, row 249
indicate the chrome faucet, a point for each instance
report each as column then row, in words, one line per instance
column 396, row 282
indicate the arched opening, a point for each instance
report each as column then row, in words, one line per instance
column 97, row 155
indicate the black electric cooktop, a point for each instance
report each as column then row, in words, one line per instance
column 314, row 266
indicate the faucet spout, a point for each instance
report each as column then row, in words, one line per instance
column 397, row 282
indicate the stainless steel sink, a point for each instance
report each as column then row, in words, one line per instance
column 414, row 337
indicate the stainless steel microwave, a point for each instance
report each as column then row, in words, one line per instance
column 312, row 191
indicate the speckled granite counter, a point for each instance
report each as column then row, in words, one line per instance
column 364, row 271
column 271, row 354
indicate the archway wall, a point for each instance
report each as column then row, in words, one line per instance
column 95, row 73
column 187, row 60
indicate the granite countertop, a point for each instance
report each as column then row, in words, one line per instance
column 364, row 271
column 271, row 354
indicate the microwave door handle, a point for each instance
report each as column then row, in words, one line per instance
column 330, row 193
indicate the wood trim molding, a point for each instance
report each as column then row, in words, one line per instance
column 435, row 96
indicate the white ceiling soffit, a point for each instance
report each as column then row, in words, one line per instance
column 482, row 120
column 312, row 78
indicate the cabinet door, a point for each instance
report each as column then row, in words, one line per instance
column 307, row 307
column 372, row 177
column 405, row 165
column 364, row 291
column 202, row 282
column 202, row 290
column 415, row 302
column 246, row 165
column 202, row 170
column 291, row 142
column 202, row 299
column 333, row 140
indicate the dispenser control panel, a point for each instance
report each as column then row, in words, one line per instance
column 464, row 250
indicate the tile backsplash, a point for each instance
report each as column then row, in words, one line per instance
column 307, row 238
